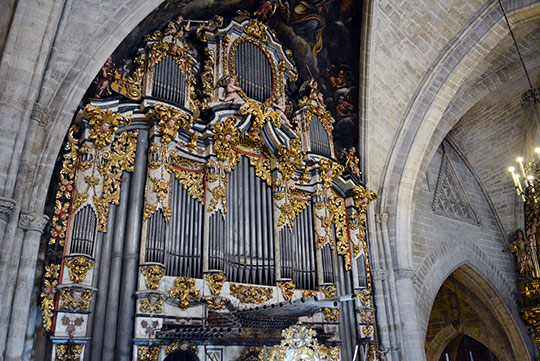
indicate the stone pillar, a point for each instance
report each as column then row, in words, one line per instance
column 33, row 225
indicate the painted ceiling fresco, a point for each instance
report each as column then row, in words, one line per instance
column 323, row 35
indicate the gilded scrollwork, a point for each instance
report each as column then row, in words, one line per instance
column 331, row 314
column 78, row 268
column 190, row 175
column 256, row 29
column 75, row 298
column 171, row 120
column 47, row 303
column 362, row 198
column 153, row 303
column 209, row 25
column 310, row 293
column 184, row 291
column 207, row 76
column 329, row 291
column 148, row 353
column 183, row 346
column 299, row 343
column 68, row 352
column 215, row 303
column 251, row 294
column 152, row 276
column 103, row 124
column 226, row 137
column 287, row 289
column 65, row 189
column 215, row 282
column 365, row 297
column 261, row 114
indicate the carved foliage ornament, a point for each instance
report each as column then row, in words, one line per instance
column 251, row 294
column 153, row 303
column 152, row 276
column 103, row 124
column 215, row 282
column 68, row 352
column 148, row 353
column 261, row 114
column 184, row 291
column 170, row 121
column 299, row 343
column 183, row 346
column 78, row 268
column 75, row 299
column 287, row 289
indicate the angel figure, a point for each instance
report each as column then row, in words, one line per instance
column 231, row 89
column 523, row 250
column 351, row 161
column 531, row 235
column 104, row 79
column 280, row 107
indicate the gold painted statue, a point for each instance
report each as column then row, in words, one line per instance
column 524, row 255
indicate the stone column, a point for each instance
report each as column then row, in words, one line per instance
column 33, row 225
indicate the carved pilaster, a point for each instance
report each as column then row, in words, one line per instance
column 40, row 115
column 33, row 221
column 6, row 207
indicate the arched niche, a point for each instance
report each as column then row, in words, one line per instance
column 467, row 306
column 180, row 355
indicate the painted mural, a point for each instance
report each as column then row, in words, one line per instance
column 323, row 35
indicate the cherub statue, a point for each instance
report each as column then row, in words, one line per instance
column 281, row 107
column 231, row 89
column 351, row 161
column 523, row 250
column 104, row 79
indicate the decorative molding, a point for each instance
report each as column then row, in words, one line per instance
column 380, row 274
column 6, row 207
column 215, row 282
column 184, row 291
column 251, row 294
column 33, row 222
column 78, row 268
column 152, row 276
column 40, row 115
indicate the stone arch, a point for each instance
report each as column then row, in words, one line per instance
column 422, row 120
column 447, row 334
column 496, row 294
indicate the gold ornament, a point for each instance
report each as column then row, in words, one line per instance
column 365, row 297
column 300, row 343
column 183, row 346
column 215, row 282
column 184, row 291
column 152, row 276
column 47, row 303
column 170, row 121
column 329, row 171
column 256, row 29
column 207, row 76
column 287, row 289
column 191, row 175
column 68, row 352
column 78, row 268
column 148, row 353
column 261, row 114
column 331, row 314
column 291, row 157
column 103, row 124
column 153, row 303
column 209, row 25
column 310, row 293
column 215, row 303
column 251, row 294
column 329, row 291
column 75, row 299
column 362, row 198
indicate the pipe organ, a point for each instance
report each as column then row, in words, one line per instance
column 240, row 224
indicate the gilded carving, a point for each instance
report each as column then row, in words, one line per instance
column 103, row 124
column 65, row 189
column 329, row 291
column 47, row 303
column 261, row 114
column 208, row 76
column 152, row 276
column 287, row 289
column 226, row 137
column 183, row 346
column 256, row 29
column 75, row 299
column 331, row 314
column 251, row 294
column 329, row 171
column 192, row 144
column 215, row 282
column 300, row 343
column 365, row 297
column 148, row 353
column 78, row 268
column 69, row 352
column 184, row 291
column 191, row 180
column 210, row 25
column 215, row 303
column 153, row 303
column 170, row 121
column 310, row 293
